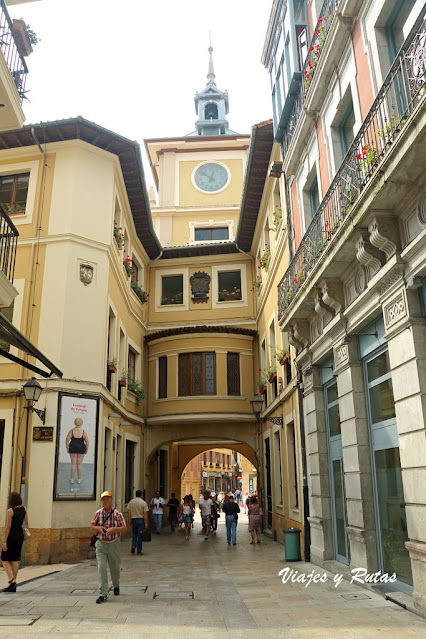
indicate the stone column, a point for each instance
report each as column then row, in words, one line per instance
column 361, row 528
column 406, row 335
column 317, row 468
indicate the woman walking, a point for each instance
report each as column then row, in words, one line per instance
column 187, row 512
column 13, row 539
column 254, row 519
column 215, row 515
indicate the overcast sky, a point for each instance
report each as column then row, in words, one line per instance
column 133, row 66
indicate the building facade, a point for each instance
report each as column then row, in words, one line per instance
column 352, row 299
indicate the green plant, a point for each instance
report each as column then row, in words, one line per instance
column 368, row 158
column 127, row 263
column 4, row 346
column 261, row 385
column 118, row 235
column 271, row 370
column 234, row 294
column 33, row 38
column 134, row 386
column 289, row 294
column 257, row 284
column 13, row 208
column 390, row 127
column 298, row 278
column 281, row 353
column 139, row 291
column 112, row 361
column 278, row 216
column 264, row 258
column 177, row 298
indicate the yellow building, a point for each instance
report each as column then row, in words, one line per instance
column 152, row 313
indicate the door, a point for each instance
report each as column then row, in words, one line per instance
column 337, row 484
column 391, row 521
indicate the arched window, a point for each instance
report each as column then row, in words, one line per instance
column 210, row 112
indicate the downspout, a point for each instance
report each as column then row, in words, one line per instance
column 307, row 526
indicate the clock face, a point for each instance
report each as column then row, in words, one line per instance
column 211, row 177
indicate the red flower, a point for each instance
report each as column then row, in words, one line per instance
column 358, row 157
column 309, row 64
column 311, row 48
column 295, row 279
column 317, row 32
column 319, row 21
column 318, row 47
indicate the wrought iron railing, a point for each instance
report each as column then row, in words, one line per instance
column 325, row 20
column 402, row 89
column 8, row 243
column 14, row 60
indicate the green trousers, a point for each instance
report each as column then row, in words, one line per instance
column 108, row 554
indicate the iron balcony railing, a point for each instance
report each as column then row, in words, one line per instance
column 325, row 20
column 8, row 243
column 404, row 87
column 14, row 60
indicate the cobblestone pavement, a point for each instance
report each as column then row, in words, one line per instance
column 201, row 588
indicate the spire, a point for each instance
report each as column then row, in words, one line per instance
column 210, row 75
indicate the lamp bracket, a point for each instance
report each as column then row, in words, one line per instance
column 274, row 420
column 41, row 414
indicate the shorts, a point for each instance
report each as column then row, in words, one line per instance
column 186, row 519
column 206, row 520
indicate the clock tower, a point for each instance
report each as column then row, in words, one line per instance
column 211, row 107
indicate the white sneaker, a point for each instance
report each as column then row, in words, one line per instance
column 205, row 536
column 187, row 538
column 78, row 481
column 71, row 481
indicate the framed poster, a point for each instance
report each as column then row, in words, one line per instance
column 76, row 446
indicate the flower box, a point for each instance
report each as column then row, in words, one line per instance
column 122, row 383
column 112, row 368
column 272, row 377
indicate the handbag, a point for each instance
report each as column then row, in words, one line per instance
column 26, row 532
column 146, row 535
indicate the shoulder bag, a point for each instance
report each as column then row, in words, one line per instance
column 94, row 538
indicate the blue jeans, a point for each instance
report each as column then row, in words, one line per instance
column 231, row 529
column 137, row 526
column 158, row 518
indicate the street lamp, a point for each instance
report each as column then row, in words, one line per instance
column 257, row 405
column 32, row 391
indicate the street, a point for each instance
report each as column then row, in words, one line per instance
column 204, row 588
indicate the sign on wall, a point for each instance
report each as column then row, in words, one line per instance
column 76, row 445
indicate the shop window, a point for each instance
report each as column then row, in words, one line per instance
column 229, row 284
column 162, row 375
column 171, row 289
column 209, row 234
column 197, row 374
column 233, row 373
column 13, row 192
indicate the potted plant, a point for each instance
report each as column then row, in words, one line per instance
column 226, row 295
column 118, row 236
column 177, row 298
column 282, row 355
column 134, row 386
column 4, row 346
column 127, row 263
column 264, row 258
column 261, row 387
column 257, row 284
column 123, row 378
column 271, row 372
column 138, row 289
column 278, row 216
column 112, row 361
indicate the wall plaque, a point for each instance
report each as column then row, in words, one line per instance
column 43, row 434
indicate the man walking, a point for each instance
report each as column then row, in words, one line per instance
column 157, row 510
column 108, row 523
column 231, row 510
column 206, row 513
column 138, row 518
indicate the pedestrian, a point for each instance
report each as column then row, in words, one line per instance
column 231, row 510
column 157, row 504
column 192, row 502
column 238, row 495
column 187, row 512
column 173, row 506
column 220, row 500
column 254, row 519
column 108, row 523
column 215, row 515
column 16, row 516
column 206, row 505
column 246, row 504
column 137, row 510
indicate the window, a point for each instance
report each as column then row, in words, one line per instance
column 210, row 112
column 233, row 373
column 229, row 286
column 197, row 374
column 314, row 197
column 171, row 289
column 204, row 459
column 346, row 129
column 130, row 466
column 162, row 377
column 217, row 460
column 211, row 457
column 131, row 365
column 13, row 192
column 211, row 233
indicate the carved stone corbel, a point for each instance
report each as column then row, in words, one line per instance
column 298, row 335
column 384, row 235
column 333, row 295
column 322, row 310
column 368, row 255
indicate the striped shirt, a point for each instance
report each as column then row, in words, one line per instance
column 113, row 519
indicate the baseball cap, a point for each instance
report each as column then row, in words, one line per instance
column 106, row 493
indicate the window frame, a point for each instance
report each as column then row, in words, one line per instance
column 238, row 358
column 236, row 299
column 162, row 370
column 12, row 202
column 203, row 392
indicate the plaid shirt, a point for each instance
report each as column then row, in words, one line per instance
column 115, row 519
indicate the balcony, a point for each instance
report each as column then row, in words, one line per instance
column 13, row 73
column 402, row 93
column 8, row 243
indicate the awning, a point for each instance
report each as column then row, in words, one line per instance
column 9, row 333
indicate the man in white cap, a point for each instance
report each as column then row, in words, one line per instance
column 108, row 523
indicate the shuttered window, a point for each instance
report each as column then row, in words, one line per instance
column 197, row 374
column 162, row 382
column 233, row 373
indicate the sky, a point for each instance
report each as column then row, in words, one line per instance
column 134, row 66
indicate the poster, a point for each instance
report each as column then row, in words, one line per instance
column 76, row 447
